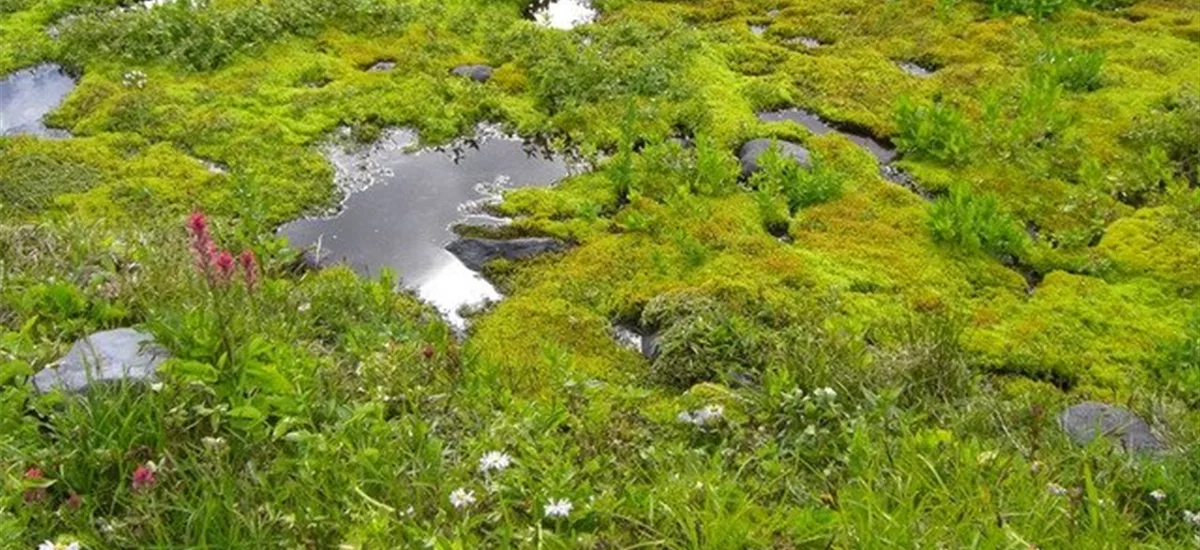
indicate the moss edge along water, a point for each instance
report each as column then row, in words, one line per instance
column 836, row 361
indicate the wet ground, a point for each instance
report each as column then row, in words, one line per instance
column 401, row 205
column 26, row 97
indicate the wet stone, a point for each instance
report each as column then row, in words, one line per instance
column 121, row 355
column 477, row 253
column 758, row 30
column 752, row 150
column 478, row 73
column 818, row 126
column 382, row 67
column 26, row 97
column 1084, row 422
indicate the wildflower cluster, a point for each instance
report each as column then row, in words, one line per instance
column 498, row 461
column 135, row 79
column 49, row 545
column 215, row 264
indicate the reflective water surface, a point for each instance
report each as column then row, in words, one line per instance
column 27, row 95
column 401, row 204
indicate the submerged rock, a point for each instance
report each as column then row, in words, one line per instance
column 476, row 253
column 1084, row 422
column 752, row 150
column 111, row 356
column 478, row 73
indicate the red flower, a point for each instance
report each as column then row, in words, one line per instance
column 428, row 351
column 74, row 501
column 249, row 268
column 143, row 477
column 224, row 264
column 202, row 243
column 34, row 494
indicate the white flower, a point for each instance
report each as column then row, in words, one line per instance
column 558, row 508
column 213, row 443
column 702, row 417
column 461, row 498
column 135, row 79
column 1192, row 517
column 825, row 394
column 1158, row 494
column 1056, row 489
column 47, row 545
column 494, row 460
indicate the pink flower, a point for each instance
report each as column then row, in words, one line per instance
column 249, row 268
column 143, row 477
column 34, row 494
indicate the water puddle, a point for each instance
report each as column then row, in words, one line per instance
column 914, row 69
column 27, row 95
column 401, row 204
column 816, row 125
column 561, row 14
column 806, row 41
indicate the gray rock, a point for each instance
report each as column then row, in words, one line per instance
column 476, row 253
column 382, row 67
column 1087, row 421
column 752, row 150
column 112, row 356
column 478, row 73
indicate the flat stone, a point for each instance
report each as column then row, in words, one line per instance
column 1084, row 422
column 111, row 356
column 752, row 150
column 478, row 73
column 476, row 253
column 382, row 67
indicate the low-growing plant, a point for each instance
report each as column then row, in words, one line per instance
column 934, row 131
column 1076, row 69
column 975, row 222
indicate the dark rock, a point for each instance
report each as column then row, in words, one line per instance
column 476, row 253
column 382, row 67
column 1086, row 421
column 478, row 73
column 752, row 150
column 112, row 356
column 650, row 346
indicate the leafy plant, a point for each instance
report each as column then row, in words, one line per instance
column 976, row 223
column 934, row 131
column 1076, row 69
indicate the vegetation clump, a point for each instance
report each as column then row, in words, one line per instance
column 808, row 357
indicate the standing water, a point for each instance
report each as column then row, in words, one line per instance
column 401, row 205
column 561, row 14
column 814, row 124
column 26, row 96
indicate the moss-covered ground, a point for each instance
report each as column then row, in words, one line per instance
column 1058, row 261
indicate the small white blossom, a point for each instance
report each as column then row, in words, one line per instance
column 47, row 545
column 213, row 443
column 1056, row 489
column 1158, row 494
column 135, row 79
column 826, row 394
column 494, row 460
column 558, row 508
column 1192, row 517
column 461, row 498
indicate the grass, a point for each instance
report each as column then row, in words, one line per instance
column 871, row 369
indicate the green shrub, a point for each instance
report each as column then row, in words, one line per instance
column 1076, row 69
column 976, row 223
column 1180, row 367
column 935, row 131
column 698, row 340
column 800, row 186
column 1174, row 129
